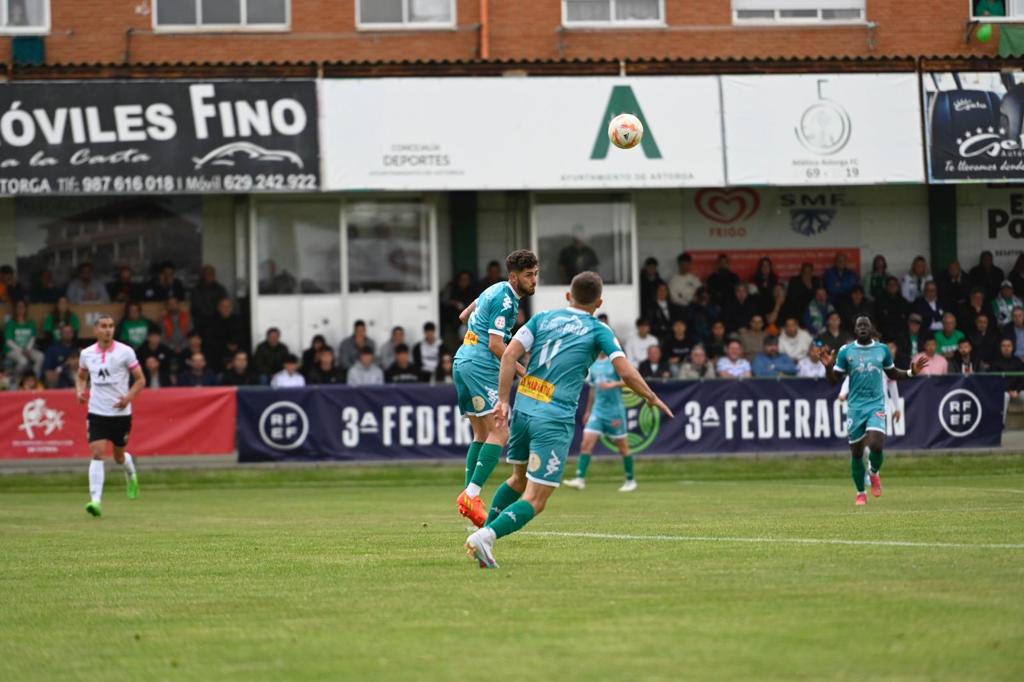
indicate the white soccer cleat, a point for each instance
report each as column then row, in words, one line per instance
column 628, row 486
column 480, row 547
column 578, row 483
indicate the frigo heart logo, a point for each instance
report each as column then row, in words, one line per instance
column 728, row 206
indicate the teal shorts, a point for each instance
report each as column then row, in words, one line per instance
column 476, row 387
column 860, row 420
column 542, row 443
column 609, row 425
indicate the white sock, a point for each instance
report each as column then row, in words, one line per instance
column 473, row 490
column 96, row 472
column 129, row 465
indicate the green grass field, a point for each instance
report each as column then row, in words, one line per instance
column 751, row 570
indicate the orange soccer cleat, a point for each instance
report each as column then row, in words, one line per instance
column 876, row 484
column 473, row 509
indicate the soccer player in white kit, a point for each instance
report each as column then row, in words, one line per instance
column 115, row 376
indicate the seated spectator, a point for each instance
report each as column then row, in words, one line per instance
column 984, row 340
column 351, row 347
column 492, row 275
column 366, row 372
column 194, row 345
column 165, row 359
column 44, row 289
column 196, row 373
column 269, row 357
column 764, row 282
column 650, row 280
column 970, row 310
column 936, row 363
column 701, row 313
column 737, row 311
column 85, row 289
column 20, row 336
column 60, row 315
column 794, row 341
column 457, row 295
column 810, row 367
column 164, row 285
column 176, row 324
column 722, row 282
column 948, row 338
column 67, row 372
column 772, row 317
column 29, row 382
column 875, row 281
column 1016, row 275
column 10, row 289
column 205, row 297
column 325, row 370
column 653, row 367
column 683, row 285
column 638, row 342
column 733, row 365
column 663, row 313
column 769, row 363
column 151, row 371
column 800, row 292
column 839, row 280
column 986, row 276
column 289, row 376
column 402, row 371
column 1015, row 332
column 124, row 289
column 911, row 340
column 752, row 337
column 1004, row 304
column 134, row 328
column 57, row 354
column 238, row 372
column 1007, row 361
column 443, row 373
column 226, row 334
column 698, row 367
column 387, row 349
column 953, row 287
column 426, row 354
column 715, row 344
column 914, row 282
column 675, row 350
column 833, row 335
column 929, row 308
column 891, row 310
column 856, row 305
column 965, row 361
column 310, row 356
column 818, row 311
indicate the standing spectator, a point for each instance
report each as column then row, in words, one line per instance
column 875, row 281
column 401, row 370
column 965, row 361
column 970, row 310
column 206, row 295
column 1004, row 304
column 794, row 341
column 270, row 354
column 738, row 309
column 717, row 341
column 444, row 372
column 839, row 280
column 733, row 365
column 984, row 339
column 986, row 276
column 366, row 372
column 58, row 317
column 653, row 367
column 20, row 336
column 953, row 286
column 911, row 340
column 492, row 275
column 387, row 349
column 818, row 311
column 722, row 282
column 752, row 337
column 638, row 343
column 771, row 318
column 810, row 367
column 914, row 282
column 194, row 345
column 684, row 284
column 164, row 359
column 1015, row 331
column 891, row 310
column 176, row 324
column 769, row 363
column 311, row 355
column 426, row 354
column 1016, row 275
column 165, row 285
column 10, row 289
column 949, row 337
column 663, row 313
column 459, row 293
column 124, row 289
column 85, row 289
column 677, row 347
column 856, row 305
column 325, row 370
column 134, row 328
column 833, row 335
column 1007, row 361
column 697, row 368
column 238, row 372
column 800, row 292
column 937, row 364
column 289, row 376
column 702, row 313
column 351, row 347
column 929, row 308
column 226, row 334
column 764, row 281
column 196, row 373
column 650, row 280
column 45, row 289
column 57, row 354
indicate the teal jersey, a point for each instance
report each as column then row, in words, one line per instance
column 609, row 401
column 865, row 365
column 496, row 311
column 562, row 344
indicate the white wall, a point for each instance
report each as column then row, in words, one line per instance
column 219, row 237
column 973, row 203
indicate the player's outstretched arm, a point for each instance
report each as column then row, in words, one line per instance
column 828, row 358
column 915, row 369
column 632, row 379
column 467, row 311
column 506, row 375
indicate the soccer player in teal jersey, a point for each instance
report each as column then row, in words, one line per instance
column 562, row 345
column 867, row 363
column 491, row 318
column 605, row 416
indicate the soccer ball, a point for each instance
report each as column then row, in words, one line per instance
column 625, row 131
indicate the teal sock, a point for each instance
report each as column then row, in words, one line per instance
column 485, row 463
column 857, row 469
column 583, row 465
column 877, row 459
column 517, row 515
column 627, row 464
column 471, row 455
column 503, row 497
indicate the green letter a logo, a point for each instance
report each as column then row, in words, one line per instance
column 623, row 101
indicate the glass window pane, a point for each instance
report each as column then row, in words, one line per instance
column 798, row 14
column 380, row 11
column 175, row 12
column 637, row 10
column 26, row 13
column 298, row 247
column 388, row 246
column 222, row 12
column 266, row 11
column 588, row 10
column 430, row 11
column 841, row 14
column 758, row 14
column 584, row 233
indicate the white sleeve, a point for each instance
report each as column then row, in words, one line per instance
column 894, row 392
column 525, row 337
column 844, row 390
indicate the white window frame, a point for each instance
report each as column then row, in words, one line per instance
column 1011, row 19
column 811, row 21
column 38, row 30
column 405, row 24
column 614, row 23
column 241, row 27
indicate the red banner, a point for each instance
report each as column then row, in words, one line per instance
column 168, row 421
column 786, row 262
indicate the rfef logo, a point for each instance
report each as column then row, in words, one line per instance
column 284, row 425
column 960, row 413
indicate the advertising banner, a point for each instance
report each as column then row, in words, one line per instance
column 518, row 133
column 786, row 262
column 394, row 422
column 158, row 137
column 822, row 129
column 168, row 421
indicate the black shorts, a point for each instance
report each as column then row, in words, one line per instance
column 114, row 429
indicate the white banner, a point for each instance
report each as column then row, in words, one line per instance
column 822, row 129
column 518, row 133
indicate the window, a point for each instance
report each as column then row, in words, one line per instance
column 410, row 14
column 298, row 246
column 24, row 17
column 388, row 246
column 613, row 13
column 206, row 15
column 997, row 10
column 798, row 11
column 584, row 232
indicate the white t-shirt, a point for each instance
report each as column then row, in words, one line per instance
column 110, row 377
column 636, row 348
column 681, row 288
column 285, row 380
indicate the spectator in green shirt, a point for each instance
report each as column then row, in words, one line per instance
column 20, row 342
column 989, row 8
column 134, row 327
column 60, row 315
column 949, row 337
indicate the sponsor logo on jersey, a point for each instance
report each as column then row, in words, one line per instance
column 479, row 403
column 554, row 464
column 536, row 388
column 534, row 462
column 470, row 339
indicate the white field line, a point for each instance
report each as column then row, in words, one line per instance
column 775, row 541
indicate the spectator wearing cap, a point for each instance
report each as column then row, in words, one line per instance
column 165, row 284
column 401, row 370
column 839, row 280
column 770, row 363
column 986, row 275
column 733, row 365
column 683, row 285
column 650, row 280
column 639, row 341
column 366, row 372
column 914, row 281
column 737, row 311
column 1004, row 304
column 85, row 289
column 794, row 341
column 953, row 286
column 937, row 364
column 270, row 354
column 911, row 341
column 351, row 347
column 1015, row 331
column 891, row 310
column 289, row 376
column 929, row 307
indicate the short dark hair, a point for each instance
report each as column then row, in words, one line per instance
column 291, row 359
column 6, row 270
column 359, row 323
column 401, row 348
column 494, row 264
column 520, row 260
column 771, row 341
column 684, row 258
column 586, row 287
column 271, row 330
column 103, row 316
column 366, row 350
column 398, row 328
column 642, row 320
column 430, row 327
